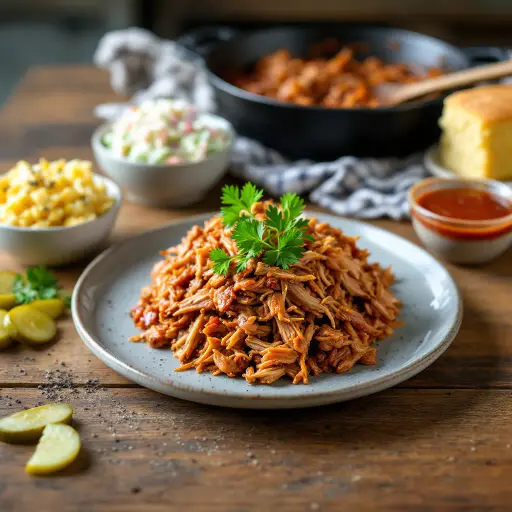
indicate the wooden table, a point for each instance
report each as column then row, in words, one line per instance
column 440, row 441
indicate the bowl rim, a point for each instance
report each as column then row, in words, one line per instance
column 98, row 146
column 117, row 196
column 495, row 187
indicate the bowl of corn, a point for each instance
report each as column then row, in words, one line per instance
column 53, row 213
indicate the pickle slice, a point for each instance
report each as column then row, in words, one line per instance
column 52, row 307
column 7, row 300
column 26, row 426
column 58, row 447
column 5, row 338
column 30, row 325
column 6, row 281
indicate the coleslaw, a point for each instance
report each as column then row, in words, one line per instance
column 165, row 131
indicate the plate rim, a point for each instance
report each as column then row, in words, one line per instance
column 355, row 390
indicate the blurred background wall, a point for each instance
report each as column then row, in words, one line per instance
column 34, row 32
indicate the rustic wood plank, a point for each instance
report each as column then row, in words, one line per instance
column 69, row 78
column 56, row 94
column 397, row 449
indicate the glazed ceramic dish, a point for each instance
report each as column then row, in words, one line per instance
column 110, row 287
column 459, row 240
column 164, row 185
column 63, row 244
column 432, row 162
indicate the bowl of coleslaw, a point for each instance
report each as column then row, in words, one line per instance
column 164, row 152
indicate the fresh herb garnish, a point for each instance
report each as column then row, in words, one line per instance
column 238, row 202
column 279, row 239
column 67, row 300
column 38, row 283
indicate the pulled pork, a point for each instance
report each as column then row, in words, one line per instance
column 320, row 315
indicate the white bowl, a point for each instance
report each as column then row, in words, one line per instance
column 164, row 185
column 61, row 245
column 461, row 241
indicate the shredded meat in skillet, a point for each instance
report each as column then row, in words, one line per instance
column 337, row 81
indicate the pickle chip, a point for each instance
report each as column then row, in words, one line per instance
column 26, row 426
column 52, row 307
column 30, row 325
column 7, row 300
column 6, row 281
column 5, row 338
column 58, row 447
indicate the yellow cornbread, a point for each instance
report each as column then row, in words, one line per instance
column 477, row 132
column 51, row 194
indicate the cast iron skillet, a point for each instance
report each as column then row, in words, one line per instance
column 322, row 133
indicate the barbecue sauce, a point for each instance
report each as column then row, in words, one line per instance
column 466, row 204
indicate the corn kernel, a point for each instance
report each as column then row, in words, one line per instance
column 57, row 193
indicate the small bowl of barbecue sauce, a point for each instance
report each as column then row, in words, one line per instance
column 464, row 221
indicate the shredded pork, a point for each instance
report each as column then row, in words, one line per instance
column 320, row 315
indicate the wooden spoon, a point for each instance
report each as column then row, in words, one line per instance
column 394, row 94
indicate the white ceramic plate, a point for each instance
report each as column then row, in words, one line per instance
column 110, row 286
column 433, row 164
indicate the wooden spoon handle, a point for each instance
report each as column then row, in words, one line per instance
column 452, row 81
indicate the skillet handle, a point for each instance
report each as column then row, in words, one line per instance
column 485, row 54
column 202, row 40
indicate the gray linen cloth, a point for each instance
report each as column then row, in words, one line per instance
column 146, row 67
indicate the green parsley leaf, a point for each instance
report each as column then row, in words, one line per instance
column 221, row 261
column 231, row 195
column 288, row 250
column 67, row 300
column 229, row 216
column 233, row 205
column 40, row 277
column 290, row 238
column 243, row 261
column 292, row 205
column 22, row 291
column 236, row 202
column 250, row 195
column 48, row 293
column 279, row 239
column 300, row 223
column 275, row 218
column 248, row 235
column 38, row 283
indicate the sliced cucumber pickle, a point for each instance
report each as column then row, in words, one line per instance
column 5, row 338
column 58, row 447
column 6, row 281
column 7, row 300
column 28, row 425
column 52, row 307
column 30, row 325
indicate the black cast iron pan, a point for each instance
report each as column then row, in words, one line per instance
column 322, row 133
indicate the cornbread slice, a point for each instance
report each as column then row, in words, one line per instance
column 477, row 132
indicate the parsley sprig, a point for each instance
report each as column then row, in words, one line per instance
column 38, row 283
column 279, row 239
